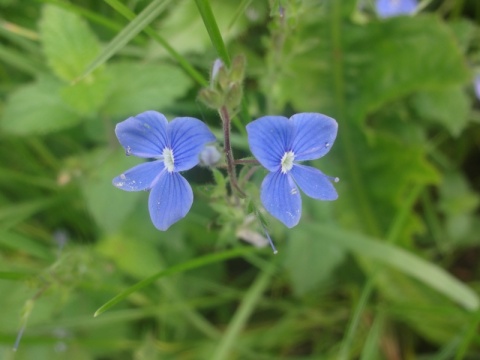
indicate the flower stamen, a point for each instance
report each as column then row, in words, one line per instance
column 168, row 159
column 287, row 161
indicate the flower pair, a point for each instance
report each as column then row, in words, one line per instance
column 278, row 144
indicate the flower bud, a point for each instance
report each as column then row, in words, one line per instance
column 237, row 71
column 210, row 156
column 234, row 96
column 212, row 98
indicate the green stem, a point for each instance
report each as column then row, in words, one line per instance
column 244, row 311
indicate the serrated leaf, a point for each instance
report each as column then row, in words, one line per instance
column 68, row 42
column 141, row 87
column 37, row 109
column 379, row 62
column 108, row 205
column 87, row 95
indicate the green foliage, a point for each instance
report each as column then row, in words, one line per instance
column 392, row 264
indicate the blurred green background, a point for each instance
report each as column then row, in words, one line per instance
column 388, row 271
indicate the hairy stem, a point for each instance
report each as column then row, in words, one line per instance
column 227, row 148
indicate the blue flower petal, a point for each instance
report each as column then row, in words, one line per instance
column 144, row 135
column 269, row 138
column 170, row 199
column 314, row 183
column 140, row 177
column 314, row 135
column 388, row 8
column 187, row 138
column 281, row 198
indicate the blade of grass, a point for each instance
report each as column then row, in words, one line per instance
column 11, row 275
column 368, row 288
column 471, row 333
column 400, row 259
column 189, row 265
column 213, row 31
column 371, row 349
column 219, row 45
column 190, row 70
column 20, row 61
column 244, row 311
column 240, row 10
column 129, row 32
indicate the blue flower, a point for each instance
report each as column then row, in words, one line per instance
column 278, row 144
column 389, row 8
column 476, row 85
column 175, row 145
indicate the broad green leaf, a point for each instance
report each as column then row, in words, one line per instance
column 379, row 62
column 449, row 107
column 401, row 260
column 37, row 109
column 140, row 87
column 310, row 260
column 108, row 205
column 87, row 95
column 68, row 43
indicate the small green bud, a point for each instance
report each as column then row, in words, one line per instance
column 234, row 95
column 237, row 71
column 223, row 78
column 212, row 98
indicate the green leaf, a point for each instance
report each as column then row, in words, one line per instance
column 449, row 107
column 68, row 43
column 37, row 109
column 108, row 205
column 380, row 61
column 310, row 260
column 87, row 95
column 140, row 87
column 400, row 259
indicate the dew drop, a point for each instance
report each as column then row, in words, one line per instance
column 337, row 179
column 123, row 177
column 128, row 151
column 327, row 144
column 293, row 191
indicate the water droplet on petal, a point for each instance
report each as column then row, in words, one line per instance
column 293, row 191
column 327, row 144
column 128, row 151
column 123, row 177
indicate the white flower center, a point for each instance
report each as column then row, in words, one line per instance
column 168, row 159
column 287, row 161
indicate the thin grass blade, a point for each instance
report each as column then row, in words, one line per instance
column 189, row 265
